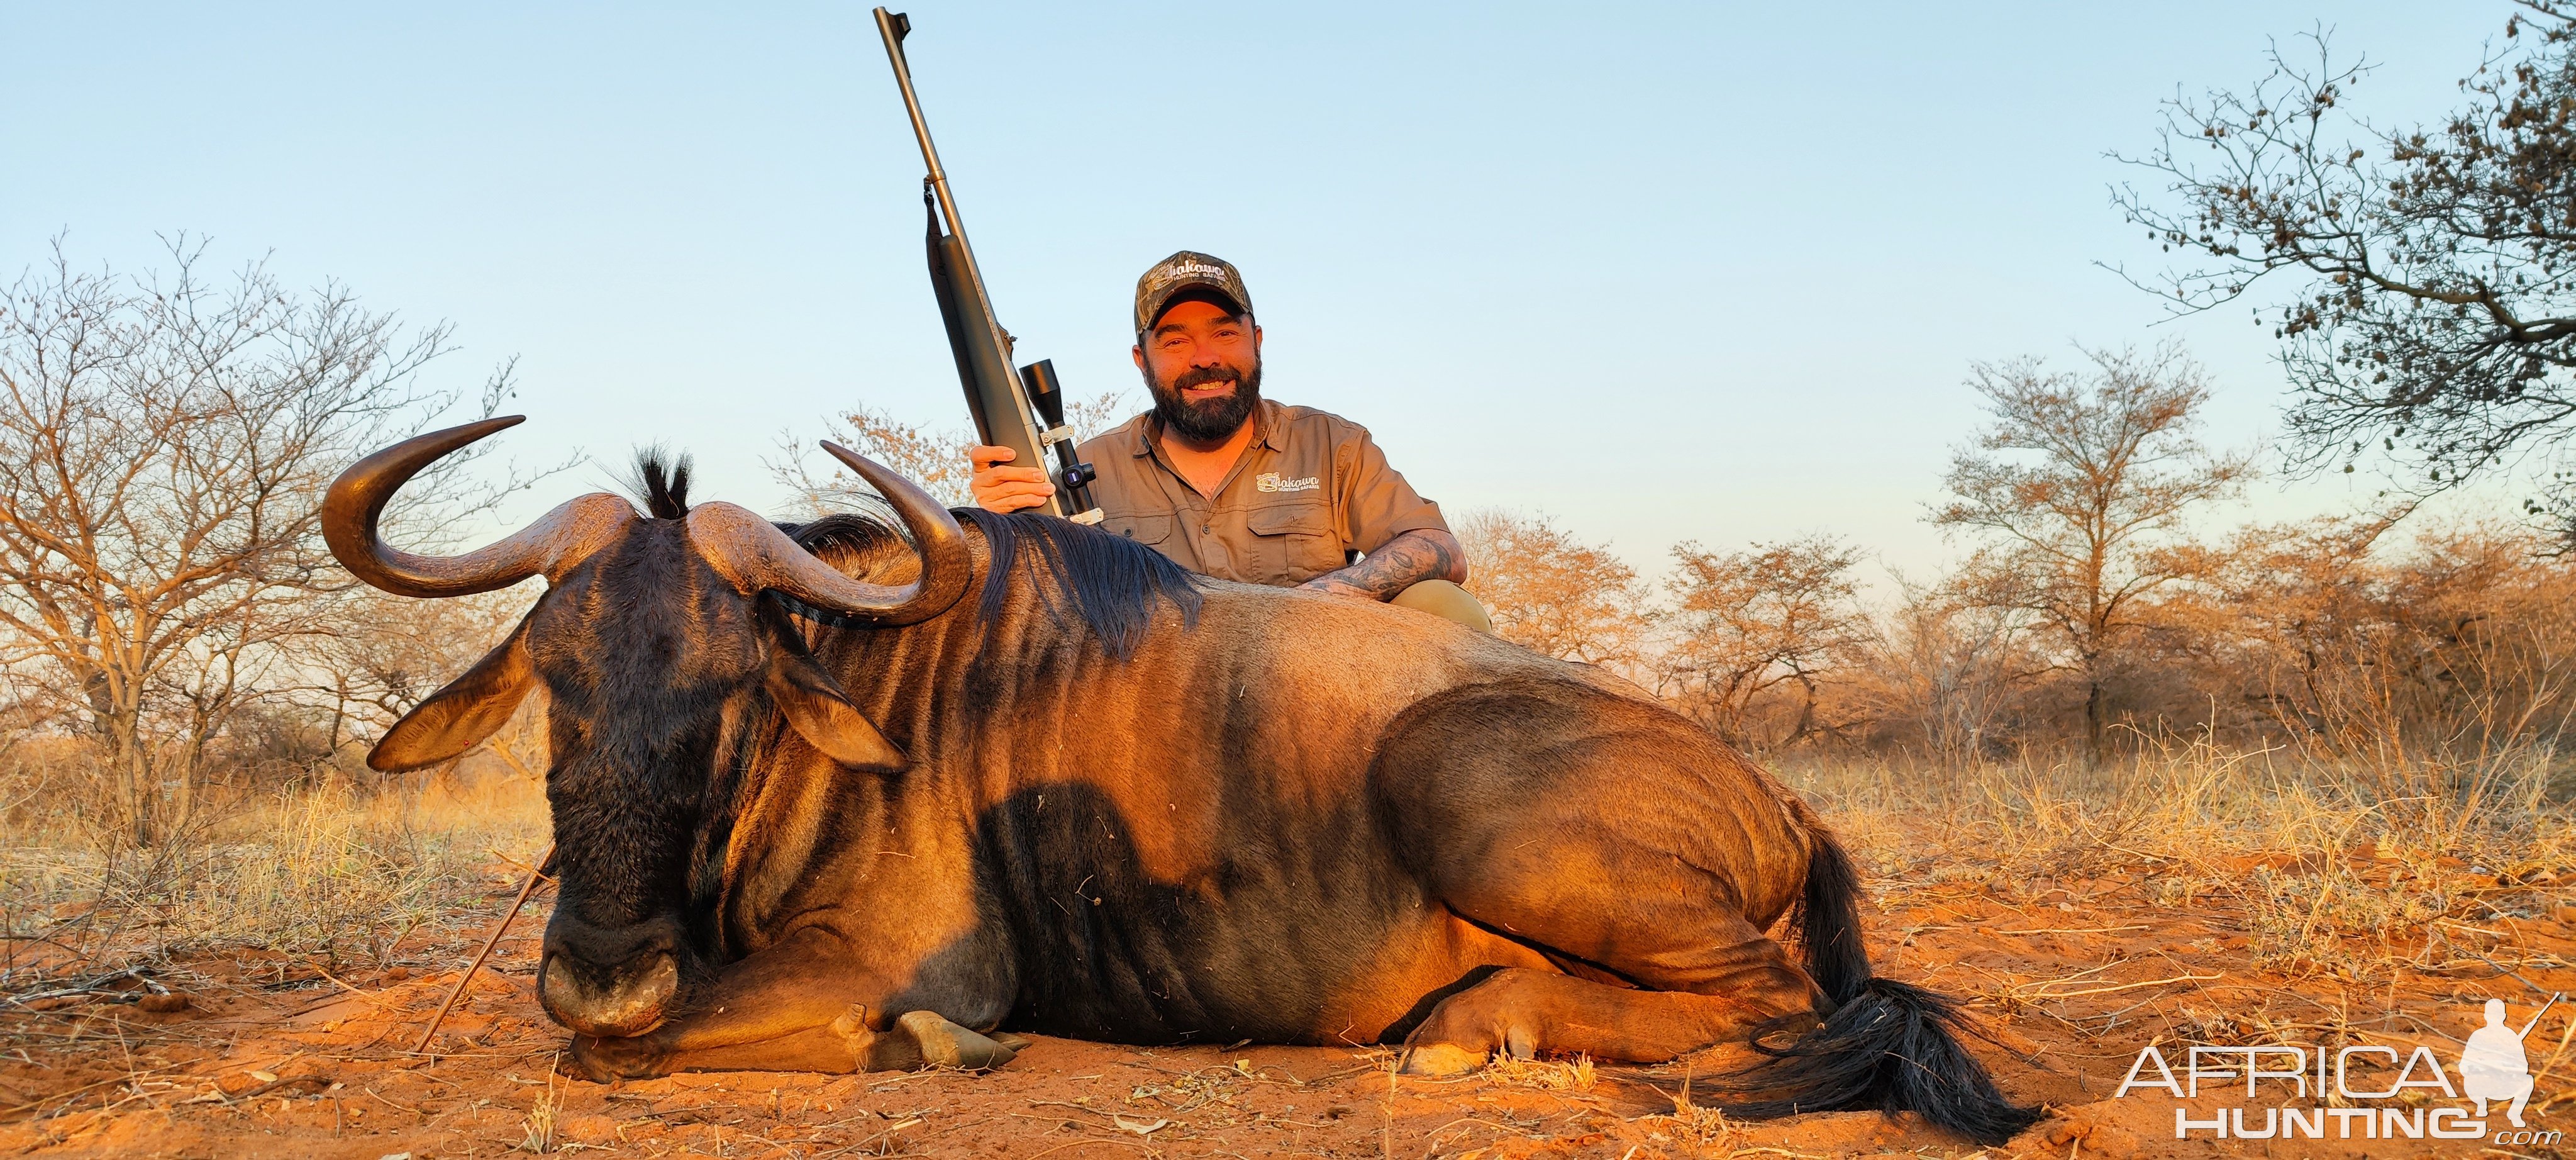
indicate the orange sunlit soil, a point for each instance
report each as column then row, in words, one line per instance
column 275, row 1058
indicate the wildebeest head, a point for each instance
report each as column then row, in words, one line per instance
column 654, row 642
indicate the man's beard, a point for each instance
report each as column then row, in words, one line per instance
column 1208, row 420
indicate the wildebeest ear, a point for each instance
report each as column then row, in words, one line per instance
column 815, row 705
column 458, row 717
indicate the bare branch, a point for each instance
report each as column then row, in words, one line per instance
column 164, row 445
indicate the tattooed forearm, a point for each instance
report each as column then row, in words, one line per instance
column 1398, row 564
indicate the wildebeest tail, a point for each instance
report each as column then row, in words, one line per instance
column 1828, row 920
column 1886, row 1045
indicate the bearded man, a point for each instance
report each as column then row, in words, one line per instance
column 1238, row 487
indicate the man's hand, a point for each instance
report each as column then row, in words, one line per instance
column 1409, row 559
column 1005, row 489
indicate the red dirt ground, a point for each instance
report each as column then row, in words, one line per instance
column 279, row 1057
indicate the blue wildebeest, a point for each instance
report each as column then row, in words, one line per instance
column 817, row 809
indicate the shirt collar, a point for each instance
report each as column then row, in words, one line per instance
column 1266, row 433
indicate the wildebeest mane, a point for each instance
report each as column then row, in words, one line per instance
column 1111, row 583
column 663, row 480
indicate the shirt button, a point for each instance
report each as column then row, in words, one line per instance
column 1207, row 527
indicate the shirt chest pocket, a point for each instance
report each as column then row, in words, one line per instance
column 1295, row 541
column 1143, row 529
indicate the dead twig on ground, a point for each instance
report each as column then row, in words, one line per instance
column 535, row 875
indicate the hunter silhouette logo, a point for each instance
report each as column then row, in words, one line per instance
column 2493, row 1065
column 2367, row 1084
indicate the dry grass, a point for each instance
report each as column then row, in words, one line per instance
column 335, row 872
column 2326, row 876
column 1573, row 1074
column 1705, row 1126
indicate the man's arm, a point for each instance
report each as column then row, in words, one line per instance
column 1409, row 559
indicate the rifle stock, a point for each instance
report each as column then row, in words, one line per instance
column 1021, row 410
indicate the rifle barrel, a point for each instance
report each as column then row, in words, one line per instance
column 892, row 26
column 2541, row 1014
column 993, row 390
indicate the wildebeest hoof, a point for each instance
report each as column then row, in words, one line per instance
column 1441, row 1059
column 945, row 1044
column 602, row 1060
column 922, row 1039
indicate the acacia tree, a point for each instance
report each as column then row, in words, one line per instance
column 1748, row 622
column 2433, row 306
column 1550, row 592
column 2077, row 491
column 164, row 445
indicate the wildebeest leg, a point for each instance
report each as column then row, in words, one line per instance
column 797, row 1006
column 1699, row 980
column 1615, row 904
column 1624, row 841
column 848, row 1043
column 1519, row 1011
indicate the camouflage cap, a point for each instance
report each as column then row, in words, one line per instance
column 1187, row 270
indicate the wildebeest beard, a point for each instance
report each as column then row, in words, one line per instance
column 1212, row 420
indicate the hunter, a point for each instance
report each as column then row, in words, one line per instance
column 1238, row 487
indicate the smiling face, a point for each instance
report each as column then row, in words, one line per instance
column 1203, row 365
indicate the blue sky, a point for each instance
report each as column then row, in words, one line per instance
column 1688, row 272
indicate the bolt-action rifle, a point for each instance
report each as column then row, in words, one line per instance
column 1021, row 410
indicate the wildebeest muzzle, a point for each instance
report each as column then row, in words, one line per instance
column 609, row 982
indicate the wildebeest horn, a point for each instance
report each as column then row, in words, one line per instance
column 552, row 545
column 756, row 556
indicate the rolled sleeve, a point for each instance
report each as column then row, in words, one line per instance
column 1375, row 502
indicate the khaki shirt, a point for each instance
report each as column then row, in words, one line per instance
column 1311, row 490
